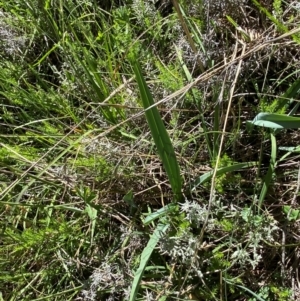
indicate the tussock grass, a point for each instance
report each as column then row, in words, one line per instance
column 149, row 150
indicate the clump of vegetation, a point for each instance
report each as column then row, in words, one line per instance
column 149, row 150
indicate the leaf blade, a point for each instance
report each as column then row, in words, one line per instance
column 276, row 121
column 146, row 254
column 159, row 134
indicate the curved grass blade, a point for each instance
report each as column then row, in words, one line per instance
column 288, row 97
column 250, row 292
column 230, row 282
column 276, row 121
column 281, row 27
column 159, row 134
column 146, row 254
column 207, row 176
column 159, row 213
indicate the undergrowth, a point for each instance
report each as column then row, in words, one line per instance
column 148, row 150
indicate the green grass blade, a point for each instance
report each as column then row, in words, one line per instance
column 146, row 254
column 250, row 292
column 207, row 176
column 159, row 213
column 216, row 117
column 46, row 55
column 92, row 213
column 230, row 282
column 244, row 34
column 159, row 134
column 281, row 27
column 270, row 172
column 39, row 175
column 289, row 95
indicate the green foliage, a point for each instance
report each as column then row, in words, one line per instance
column 273, row 293
column 93, row 200
column 277, row 5
column 170, row 76
column 226, row 225
column 145, row 256
column 122, row 37
column 276, row 121
column 97, row 165
column 225, row 179
column 18, row 155
column 26, row 252
column 291, row 214
column 219, row 261
column 273, row 107
column 159, row 134
column 281, row 293
column 280, row 26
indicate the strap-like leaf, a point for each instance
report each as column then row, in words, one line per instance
column 146, row 254
column 276, row 121
column 159, row 134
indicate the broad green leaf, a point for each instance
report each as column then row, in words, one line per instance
column 276, row 121
column 159, row 134
column 146, row 254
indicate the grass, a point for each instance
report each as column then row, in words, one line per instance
column 149, row 150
